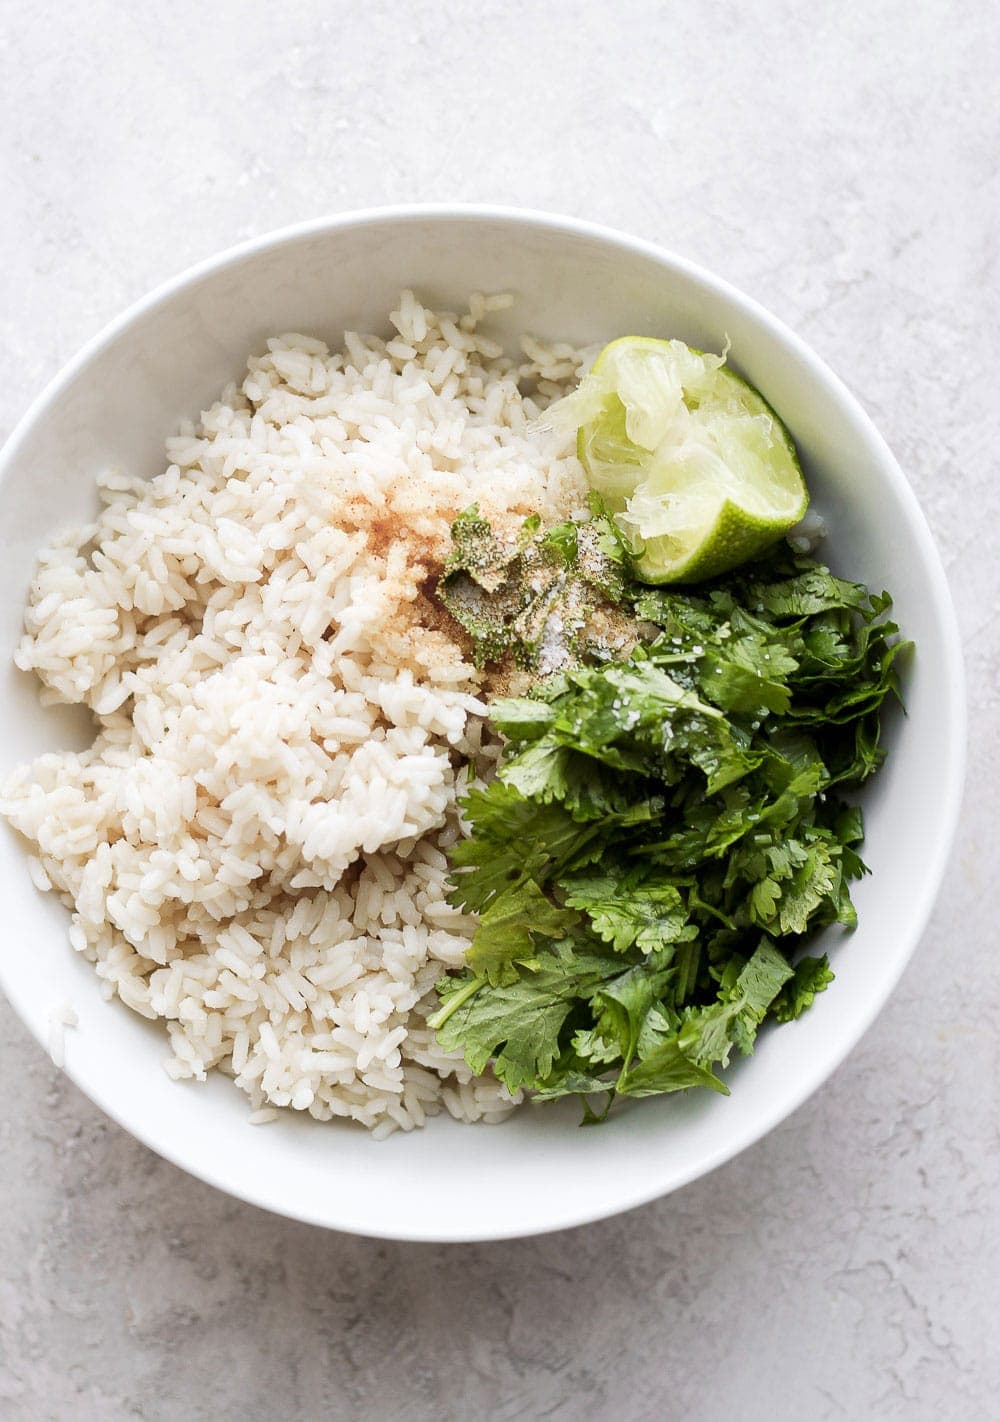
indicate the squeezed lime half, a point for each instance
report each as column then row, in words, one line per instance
column 698, row 470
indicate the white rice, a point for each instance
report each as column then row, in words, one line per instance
column 60, row 1018
column 253, row 849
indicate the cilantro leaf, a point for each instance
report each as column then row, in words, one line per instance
column 624, row 912
column 514, row 839
column 505, row 934
column 517, row 1024
column 669, row 1068
column 812, row 975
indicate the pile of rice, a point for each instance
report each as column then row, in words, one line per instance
column 254, row 847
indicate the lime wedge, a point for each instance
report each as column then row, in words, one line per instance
column 698, row 470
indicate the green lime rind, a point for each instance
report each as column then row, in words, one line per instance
column 734, row 539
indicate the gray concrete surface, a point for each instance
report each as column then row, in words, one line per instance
column 840, row 162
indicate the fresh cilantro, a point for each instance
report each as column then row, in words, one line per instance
column 625, row 912
column 667, row 829
column 519, row 1024
column 506, row 928
column 812, row 975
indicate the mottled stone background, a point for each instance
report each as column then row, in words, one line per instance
column 840, row 162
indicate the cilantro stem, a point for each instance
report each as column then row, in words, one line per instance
column 695, row 902
column 454, row 1003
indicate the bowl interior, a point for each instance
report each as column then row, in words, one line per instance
column 165, row 361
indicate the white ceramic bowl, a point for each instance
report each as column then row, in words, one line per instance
column 165, row 359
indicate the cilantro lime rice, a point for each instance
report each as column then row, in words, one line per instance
column 405, row 793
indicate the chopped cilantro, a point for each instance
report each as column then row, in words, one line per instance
column 667, row 830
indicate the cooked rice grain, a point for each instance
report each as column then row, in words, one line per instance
column 253, row 847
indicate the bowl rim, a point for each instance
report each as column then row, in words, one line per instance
column 651, row 1187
